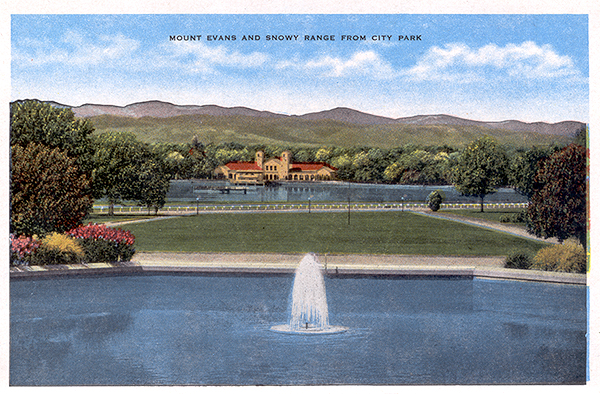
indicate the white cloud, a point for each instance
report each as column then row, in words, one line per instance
column 200, row 58
column 77, row 50
column 361, row 63
column 458, row 62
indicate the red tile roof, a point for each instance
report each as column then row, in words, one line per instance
column 309, row 166
column 243, row 166
column 252, row 166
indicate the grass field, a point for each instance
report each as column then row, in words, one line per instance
column 489, row 214
column 104, row 218
column 368, row 232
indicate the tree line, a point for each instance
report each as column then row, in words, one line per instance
column 59, row 166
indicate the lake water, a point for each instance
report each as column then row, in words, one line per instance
column 326, row 191
column 214, row 330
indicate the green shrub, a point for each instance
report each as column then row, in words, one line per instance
column 99, row 250
column 519, row 217
column 58, row 248
column 518, row 260
column 435, row 199
column 104, row 244
column 570, row 256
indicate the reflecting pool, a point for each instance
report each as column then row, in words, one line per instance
column 215, row 330
column 327, row 191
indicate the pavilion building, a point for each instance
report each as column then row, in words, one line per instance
column 261, row 171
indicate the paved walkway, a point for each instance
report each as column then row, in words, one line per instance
column 329, row 261
column 265, row 263
column 489, row 224
column 383, row 265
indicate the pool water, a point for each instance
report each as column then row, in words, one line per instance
column 215, row 330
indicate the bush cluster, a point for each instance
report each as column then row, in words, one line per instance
column 58, row 248
column 85, row 244
column 435, row 199
column 104, row 244
column 569, row 256
column 519, row 217
column 22, row 249
column 519, row 260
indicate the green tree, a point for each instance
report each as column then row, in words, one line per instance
column 48, row 191
column 393, row 172
column 154, row 183
column 33, row 121
column 126, row 169
column 480, row 169
column 524, row 166
column 558, row 203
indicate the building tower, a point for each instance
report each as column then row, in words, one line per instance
column 286, row 163
column 260, row 156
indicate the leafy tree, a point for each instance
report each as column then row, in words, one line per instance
column 126, row 169
column 480, row 168
column 49, row 192
column 323, row 154
column 558, row 202
column 154, row 184
column 40, row 134
column 524, row 166
column 393, row 172
column 33, row 121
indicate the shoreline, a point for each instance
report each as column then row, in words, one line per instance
column 400, row 266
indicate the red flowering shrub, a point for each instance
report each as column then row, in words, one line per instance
column 22, row 249
column 104, row 244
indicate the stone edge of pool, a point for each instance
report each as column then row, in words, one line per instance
column 469, row 270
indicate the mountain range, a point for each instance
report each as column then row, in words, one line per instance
column 160, row 109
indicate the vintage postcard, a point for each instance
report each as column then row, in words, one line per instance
column 285, row 199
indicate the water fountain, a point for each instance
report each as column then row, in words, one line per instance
column 308, row 309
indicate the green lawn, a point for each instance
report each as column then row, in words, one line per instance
column 368, row 232
column 105, row 218
column 488, row 214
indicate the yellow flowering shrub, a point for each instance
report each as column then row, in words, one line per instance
column 58, row 248
column 568, row 257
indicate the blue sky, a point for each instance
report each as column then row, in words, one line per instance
column 485, row 67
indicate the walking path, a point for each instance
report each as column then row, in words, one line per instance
column 333, row 265
column 489, row 224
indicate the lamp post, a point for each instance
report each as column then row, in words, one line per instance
column 309, row 203
column 197, row 205
column 403, row 204
column 348, row 203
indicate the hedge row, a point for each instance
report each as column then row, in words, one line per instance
column 569, row 256
column 85, row 244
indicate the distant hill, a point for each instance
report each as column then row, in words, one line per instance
column 569, row 128
column 157, row 121
column 160, row 109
